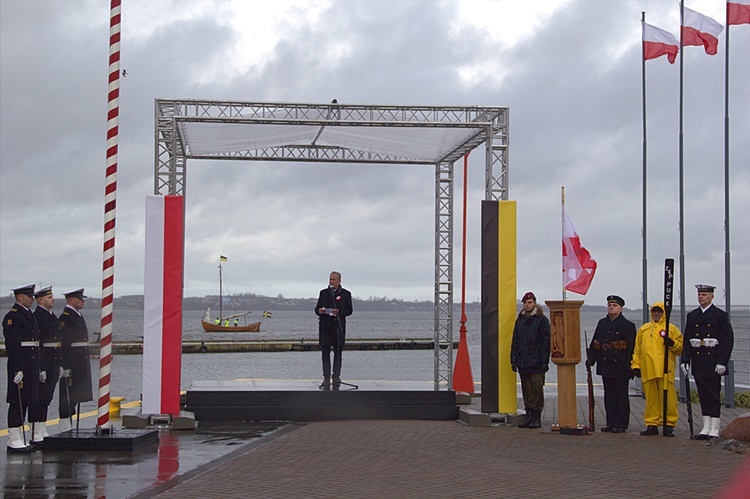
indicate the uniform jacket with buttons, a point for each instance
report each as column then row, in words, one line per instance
column 612, row 347
column 713, row 323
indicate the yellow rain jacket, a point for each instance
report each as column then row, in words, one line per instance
column 649, row 348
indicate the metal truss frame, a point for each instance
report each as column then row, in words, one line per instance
column 491, row 126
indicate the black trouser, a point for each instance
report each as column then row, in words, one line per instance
column 16, row 414
column 616, row 401
column 67, row 408
column 709, row 391
column 331, row 340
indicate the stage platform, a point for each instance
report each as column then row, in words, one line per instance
column 303, row 400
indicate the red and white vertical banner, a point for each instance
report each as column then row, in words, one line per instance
column 110, row 202
column 162, row 309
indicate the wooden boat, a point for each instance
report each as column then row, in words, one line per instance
column 210, row 326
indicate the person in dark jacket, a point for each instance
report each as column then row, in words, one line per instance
column 75, row 387
column 333, row 307
column 51, row 352
column 611, row 349
column 529, row 357
column 709, row 339
column 21, row 334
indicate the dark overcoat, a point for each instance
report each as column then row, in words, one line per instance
column 612, row 347
column 51, row 350
column 530, row 348
column 713, row 323
column 75, row 355
column 21, row 334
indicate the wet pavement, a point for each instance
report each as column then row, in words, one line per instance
column 389, row 458
column 122, row 474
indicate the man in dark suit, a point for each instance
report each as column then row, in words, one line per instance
column 51, row 352
column 709, row 340
column 333, row 307
column 611, row 349
column 21, row 334
column 75, row 387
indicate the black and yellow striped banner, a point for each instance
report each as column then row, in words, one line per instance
column 498, row 305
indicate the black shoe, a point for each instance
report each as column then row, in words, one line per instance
column 701, row 436
column 336, row 381
column 650, row 430
column 536, row 419
column 669, row 431
column 606, row 429
column 618, row 430
column 527, row 420
column 326, row 384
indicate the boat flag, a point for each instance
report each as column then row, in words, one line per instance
column 738, row 12
column 698, row 30
column 162, row 313
column 223, row 258
column 658, row 42
column 578, row 266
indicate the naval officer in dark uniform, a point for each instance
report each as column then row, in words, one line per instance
column 51, row 352
column 709, row 340
column 611, row 349
column 21, row 334
column 75, row 386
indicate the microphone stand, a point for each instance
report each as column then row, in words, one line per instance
column 339, row 335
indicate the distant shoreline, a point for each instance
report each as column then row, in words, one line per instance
column 249, row 301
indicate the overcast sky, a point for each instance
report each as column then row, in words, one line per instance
column 570, row 71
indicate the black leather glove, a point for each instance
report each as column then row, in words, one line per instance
column 636, row 373
column 668, row 341
column 515, row 369
column 590, row 362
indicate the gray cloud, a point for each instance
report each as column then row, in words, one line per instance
column 573, row 85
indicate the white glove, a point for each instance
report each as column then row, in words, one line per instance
column 720, row 370
column 695, row 342
column 64, row 373
column 685, row 368
column 59, row 374
column 710, row 342
column 18, row 377
column 42, row 376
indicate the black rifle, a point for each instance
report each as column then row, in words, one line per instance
column 590, row 382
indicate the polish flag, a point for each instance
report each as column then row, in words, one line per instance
column 698, row 29
column 738, row 12
column 578, row 266
column 162, row 309
column 657, row 42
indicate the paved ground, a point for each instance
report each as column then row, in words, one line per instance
column 448, row 459
column 392, row 459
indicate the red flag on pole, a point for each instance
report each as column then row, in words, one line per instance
column 698, row 29
column 578, row 266
column 738, row 12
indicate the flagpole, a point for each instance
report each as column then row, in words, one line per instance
column 727, row 264
column 680, row 181
column 644, row 285
column 562, row 231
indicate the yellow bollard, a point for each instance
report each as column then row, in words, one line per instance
column 114, row 406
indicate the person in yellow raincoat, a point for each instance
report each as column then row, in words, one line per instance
column 648, row 364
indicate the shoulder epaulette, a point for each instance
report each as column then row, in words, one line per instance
column 13, row 309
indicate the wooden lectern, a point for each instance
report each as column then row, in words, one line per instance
column 565, row 350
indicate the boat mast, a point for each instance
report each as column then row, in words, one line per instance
column 221, row 296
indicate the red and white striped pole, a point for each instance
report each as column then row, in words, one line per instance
column 110, row 202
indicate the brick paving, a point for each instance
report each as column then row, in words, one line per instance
column 405, row 458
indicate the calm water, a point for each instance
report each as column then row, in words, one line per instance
column 410, row 365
